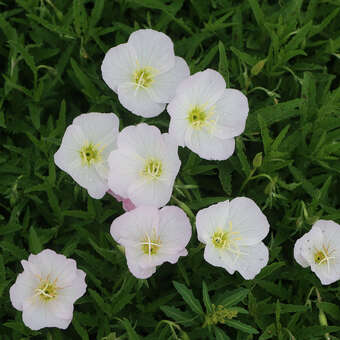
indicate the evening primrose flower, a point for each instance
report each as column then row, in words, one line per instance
column 85, row 148
column 320, row 249
column 232, row 232
column 47, row 289
column 144, row 72
column 144, row 166
column 205, row 116
column 151, row 237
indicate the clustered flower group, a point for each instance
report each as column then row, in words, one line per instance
column 139, row 165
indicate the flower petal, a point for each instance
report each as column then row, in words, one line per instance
column 232, row 112
column 248, row 219
column 153, row 49
column 208, row 146
column 256, row 258
column 118, row 66
column 210, row 219
column 138, row 101
column 219, row 258
column 139, row 272
column 163, row 88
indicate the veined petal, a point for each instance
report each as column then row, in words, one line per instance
column 210, row 219
column 248, row 219
column 125, row 166
column 297, row 252
column 164, row 85
column 219, row 258
column 118, row 66
column 153, row 49
column 208, row 146
column 139, row 272
column 138, row 101
column 231, row 112
column 252, row 259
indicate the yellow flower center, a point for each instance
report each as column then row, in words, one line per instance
column 319, row 257
column 225, row 239
column 153, row 169
column 198, row 117
column 90, row 154
column 47, row 290
column 323, row 256
column 150, row 246
column 143, row 77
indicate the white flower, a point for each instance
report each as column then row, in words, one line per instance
column 144, row 166
column 232, row 232
column 151, row 237
column 205, row 116
column 144, row 72
column 47, row 289
column 85, row 148
column 320, row 249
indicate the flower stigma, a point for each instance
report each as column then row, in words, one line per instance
column 152, row 169
column 150, row 246
column 323, row 256
column 198, row 117
column 143, row 77
column 90, row 154
column 47, row 290
column 222, row 239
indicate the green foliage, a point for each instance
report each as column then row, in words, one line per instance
column 284, row 55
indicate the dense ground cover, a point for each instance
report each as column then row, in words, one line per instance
column 284, row 55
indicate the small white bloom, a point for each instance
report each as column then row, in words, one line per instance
column 47, row 289
column 144, row 166
column 144, row 72
column 85, row 148
column 232, row 232
column 320, row 249
column 205, row 116
column 151, row 237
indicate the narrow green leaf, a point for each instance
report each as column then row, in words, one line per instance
column 188, row 297
column 206, row 298
column 34, row 242
column 241, row 326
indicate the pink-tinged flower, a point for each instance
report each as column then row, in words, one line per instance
column 205, row 116
column 320, row 249
column 85, row 148
column 47, row 289
column 151, row 237
column 232, row 232
column 144, row 72
column 127, row 204
column 144, row 166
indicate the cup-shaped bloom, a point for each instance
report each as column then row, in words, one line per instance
column 232, row 232
column 320, row 249
column 205, row 116
column 151, row 237
column 144, row 166
column 144, row 72
column 47, row 289
column 84, row 150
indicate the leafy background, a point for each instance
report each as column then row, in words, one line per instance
column 284, row 55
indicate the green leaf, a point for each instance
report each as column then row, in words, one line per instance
column 132, row 335
column 232, row 298
column 220, row 335
column 223, row 63
column 206, row 298
column 330, row 308
column 34, row 242
column 188, row 297
column 241, row 326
